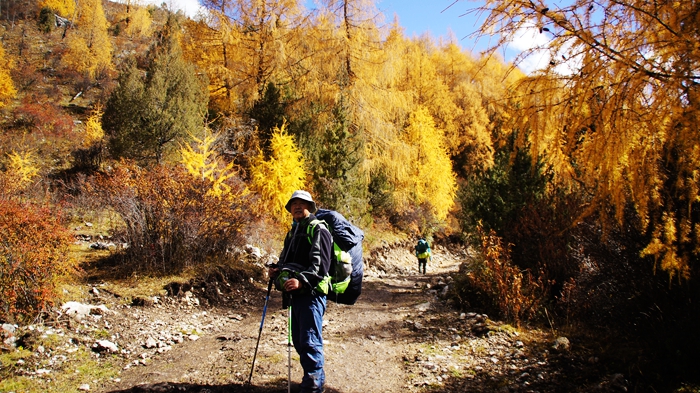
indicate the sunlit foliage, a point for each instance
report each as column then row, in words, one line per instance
column 171, row 219
column 430, row 179
column 89, row 46
column 615, row 110
column 21, row 171
column 93, row 129
column 140, row 22
column 244, row 45
column 277, row 177
column 7, row 87
column 202, row 161
column 33, row 257
column 493, row 284
column 65, row 8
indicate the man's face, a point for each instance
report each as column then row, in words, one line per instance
column 300, row 209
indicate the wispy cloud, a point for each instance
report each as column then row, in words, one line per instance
column 529, row 38
column 188, row 7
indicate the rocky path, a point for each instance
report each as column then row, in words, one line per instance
column 401, row 336
column 366, row 344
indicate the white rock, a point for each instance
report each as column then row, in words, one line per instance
column 106, row 345
column 150, row 343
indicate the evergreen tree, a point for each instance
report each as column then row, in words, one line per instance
column 268, row 111
column 149, row 110
column 337, row 155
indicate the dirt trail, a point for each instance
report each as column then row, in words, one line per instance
column 366, row 345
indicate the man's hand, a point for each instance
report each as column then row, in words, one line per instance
column 291, row 285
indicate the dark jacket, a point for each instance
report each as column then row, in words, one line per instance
column 311, row 260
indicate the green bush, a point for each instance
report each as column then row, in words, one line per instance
column 47, row 20
column 496, row 197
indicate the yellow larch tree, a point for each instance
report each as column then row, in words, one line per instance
column 211, row 43
column 466, row 122
column 275, row 178
column 202, row 161
column 7, row 87
column 251, row 38
column 89, row 46
column 431, row 179
column 140, row 22
column 614, row 111
column 21, row 171
column 386, row 107
column 65, row 8
column 94, row 134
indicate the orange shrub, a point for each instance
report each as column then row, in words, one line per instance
column 171, row 218
column 498, row 285
column 39, row 113
column 33, row 254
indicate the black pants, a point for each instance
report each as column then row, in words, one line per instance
column 422, row 262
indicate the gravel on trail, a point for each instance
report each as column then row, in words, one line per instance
column 402, row 335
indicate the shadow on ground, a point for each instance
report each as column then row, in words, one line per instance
column 279, row 386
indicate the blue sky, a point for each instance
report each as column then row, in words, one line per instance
column 438, row 18
column 434, row 17
column 416, row 16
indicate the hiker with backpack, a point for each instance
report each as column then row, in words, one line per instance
column 423, row 253
column 302, row 274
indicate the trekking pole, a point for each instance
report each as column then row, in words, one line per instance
column 289, row 346
column 255, row 354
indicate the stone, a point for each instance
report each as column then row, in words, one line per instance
column 561, row 344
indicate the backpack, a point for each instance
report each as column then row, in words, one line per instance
column 422, row 249
column 346, row 269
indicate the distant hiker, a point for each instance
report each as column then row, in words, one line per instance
column 303, row 265
column 423, row 253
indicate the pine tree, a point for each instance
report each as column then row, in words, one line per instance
column 337, row 155
column 268, row 112
column 149, row 110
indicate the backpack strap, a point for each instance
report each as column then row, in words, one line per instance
column 312, row 226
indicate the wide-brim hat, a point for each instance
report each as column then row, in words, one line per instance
column 304, row 196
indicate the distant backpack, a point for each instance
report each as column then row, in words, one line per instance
column 346, row 269
column 422, row 249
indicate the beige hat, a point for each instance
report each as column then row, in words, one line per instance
column 303, row 195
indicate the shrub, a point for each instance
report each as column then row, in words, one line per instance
column 21, row 170
column 494, row 284
column 173, row 219
column 38, row 113
column 495, row 198
column 33, row 255
column 518, row 200
column 47, row 20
